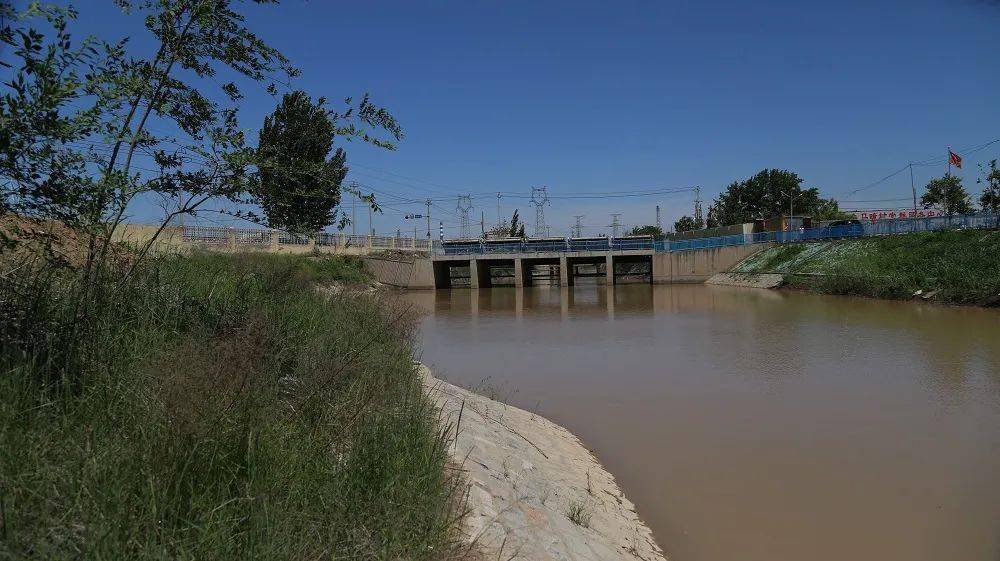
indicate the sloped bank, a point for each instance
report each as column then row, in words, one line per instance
column 535, row 492
column 959, row 267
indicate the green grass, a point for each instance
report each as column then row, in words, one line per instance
column 962, row 267
column 216, row 407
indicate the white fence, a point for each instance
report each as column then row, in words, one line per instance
column 234, row 238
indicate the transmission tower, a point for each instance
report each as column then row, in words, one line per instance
column 463, row 207
column 616, row 224
column 659, row 224
column 539, row 198
column 697, row 206
column 578, row 228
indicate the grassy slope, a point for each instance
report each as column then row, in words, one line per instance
column 964, row 266
column 219, row 408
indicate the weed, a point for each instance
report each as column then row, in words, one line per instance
column 579, row 514
column 214, row 407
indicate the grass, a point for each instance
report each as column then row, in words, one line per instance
column 216, row 407
column 959, row 267
column 579, row 514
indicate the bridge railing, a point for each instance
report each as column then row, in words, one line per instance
column 856, row 230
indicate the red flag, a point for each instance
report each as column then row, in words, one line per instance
column 954, row 159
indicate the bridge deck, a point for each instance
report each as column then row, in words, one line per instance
column 540, row 255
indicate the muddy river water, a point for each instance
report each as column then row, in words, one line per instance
column 751, row 424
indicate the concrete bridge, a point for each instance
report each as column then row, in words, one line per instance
column 441, row 271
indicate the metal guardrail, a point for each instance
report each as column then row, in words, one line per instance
column 867, row 229
column 258, row 237
column 864, row 229
column 254, row 237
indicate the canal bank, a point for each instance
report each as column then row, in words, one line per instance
column 950, row 267
column 534, row 491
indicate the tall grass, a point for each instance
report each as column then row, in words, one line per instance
column 215, row 407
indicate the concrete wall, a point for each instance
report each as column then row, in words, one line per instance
column 402, row 272
column 677, row 267
column 698, row 265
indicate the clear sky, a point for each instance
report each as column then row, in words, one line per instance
column 588, row 97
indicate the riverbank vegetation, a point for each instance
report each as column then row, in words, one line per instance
column 955, row 267
column 215, row 407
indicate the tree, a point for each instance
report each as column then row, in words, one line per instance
column 829, row 209
column 990, row 199
column 516, row 226
column 685, row 224
column 81, row 133
column 650, row 230
column 948, row 193
column 765, row 195
column 514, row 229
column 299, row 188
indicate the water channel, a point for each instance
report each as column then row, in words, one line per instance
column 752, row 424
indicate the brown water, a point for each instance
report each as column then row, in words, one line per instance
column 756, row 425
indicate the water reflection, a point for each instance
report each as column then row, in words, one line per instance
column 756, row 424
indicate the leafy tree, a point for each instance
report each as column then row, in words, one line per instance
column 685, row 224
column 513, row 229
column 299, row 188
column 829, row 209
column 650, row 230
column 990, row 199
column 516, row 226
column 81, row 141
column 766, row 195
column 948, row 193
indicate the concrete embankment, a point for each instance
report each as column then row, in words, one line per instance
column 958, row 267
column 535, row 492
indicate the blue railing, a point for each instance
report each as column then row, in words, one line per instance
column 860, row 230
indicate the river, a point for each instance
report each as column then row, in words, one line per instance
column 752, row 424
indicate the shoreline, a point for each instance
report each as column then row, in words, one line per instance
column 534, row 490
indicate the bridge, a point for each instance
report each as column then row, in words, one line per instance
column 483, row 270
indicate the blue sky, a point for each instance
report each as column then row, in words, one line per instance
column 588, row 97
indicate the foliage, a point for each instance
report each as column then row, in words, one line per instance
column 299, row 188
column 686, row 224
column 81, row 140
column 223, row 408
column 513, row 229
column 41, row 175
column 947, row 192
column 959, row 267
column 767, row 194
column 579, row 514
column 829, row 209
column 649, row 230
column 990, row 199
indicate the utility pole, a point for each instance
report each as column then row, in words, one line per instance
column 463, row 207
column 913, row 188
column 659, row 225
column 615, row 224
column 428, row 203
column 539, row 198
column 371, row 226
column 441, row 227
column 697, row 207
column 499, row 217
column 482, row 222
column 578, row 229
